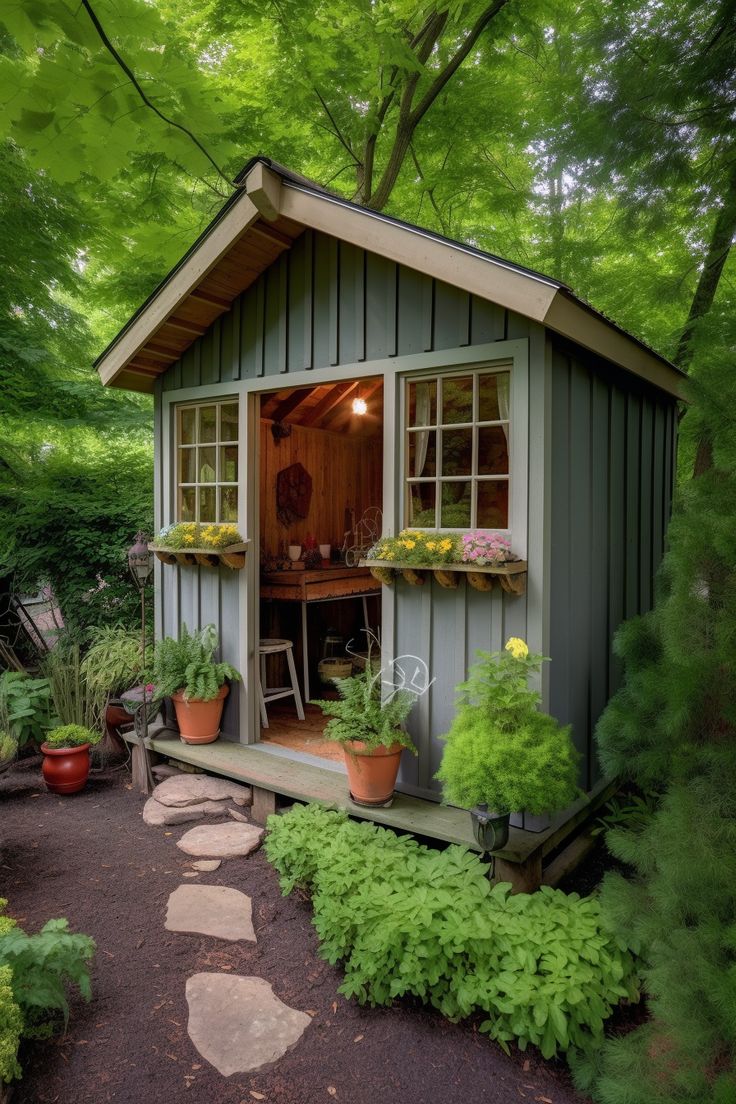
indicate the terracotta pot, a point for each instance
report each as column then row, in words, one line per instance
column 371, row 774
column 65, row 770
column 199, row 721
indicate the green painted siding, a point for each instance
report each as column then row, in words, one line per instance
column 612, row 447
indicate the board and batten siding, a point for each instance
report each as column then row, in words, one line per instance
column 326, row 303
column 613, row 445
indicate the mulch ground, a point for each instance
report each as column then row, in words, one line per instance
column 90, row 858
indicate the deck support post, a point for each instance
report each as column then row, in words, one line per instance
column 264, row 804
column 525, row 877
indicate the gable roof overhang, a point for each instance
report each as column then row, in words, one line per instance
column 270, row 209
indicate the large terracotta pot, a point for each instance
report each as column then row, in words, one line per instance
column 199, row 721
column 65, row 770
column 371, row 774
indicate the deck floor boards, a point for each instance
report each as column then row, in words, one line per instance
column 301, row 781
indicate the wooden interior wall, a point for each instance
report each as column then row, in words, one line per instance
column 346, row 472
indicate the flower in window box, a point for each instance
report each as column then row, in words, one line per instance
column 485, row 548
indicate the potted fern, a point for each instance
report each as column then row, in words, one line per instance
column 185, row 671
column 369, row 725
column 502, row 754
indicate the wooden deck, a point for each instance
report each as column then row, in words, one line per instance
column 521, row 861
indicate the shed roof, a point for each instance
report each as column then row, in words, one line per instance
column 270, row 208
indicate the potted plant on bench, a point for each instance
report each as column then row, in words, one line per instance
column 502, row 754
column 185, row 671
column 370, row 728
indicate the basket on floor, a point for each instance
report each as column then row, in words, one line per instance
column 337, row 667
column 360, row 659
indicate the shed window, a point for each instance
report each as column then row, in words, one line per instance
column 457, row 451
column 207, row 462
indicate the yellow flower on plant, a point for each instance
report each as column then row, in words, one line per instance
column 431, row 545
column 189, row 538
column 517, row 647
column 445, row 545
column 408, row 543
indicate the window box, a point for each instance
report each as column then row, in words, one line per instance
column 233, row 556
column 510, row 576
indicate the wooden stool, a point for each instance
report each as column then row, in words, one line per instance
column 272, row 647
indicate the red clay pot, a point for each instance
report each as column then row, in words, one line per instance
column 199, row 721
column 371, row 774
column 65, row 770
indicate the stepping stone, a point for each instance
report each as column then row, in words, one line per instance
column 155, row 813
column 238, row 816
column 238, row 1024
column 192, row 789
column 221, row 841
column 165, row 770
column 211, row 910
column 207, row 864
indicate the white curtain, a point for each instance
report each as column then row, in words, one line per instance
column 421, row 417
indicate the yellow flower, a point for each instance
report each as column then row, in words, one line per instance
column 389, row 554
column 409, row 543
column 517, row 647
column 431, row 545
column 445, row 545
column 189, row 538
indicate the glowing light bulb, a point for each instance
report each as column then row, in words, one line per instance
column 360, row 406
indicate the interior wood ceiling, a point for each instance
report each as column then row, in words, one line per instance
column 329, row 406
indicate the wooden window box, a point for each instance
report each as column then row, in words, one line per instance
column 511, row 576
column 233, row 556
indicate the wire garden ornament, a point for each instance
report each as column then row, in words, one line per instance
column 362, row 536
column 402, row 673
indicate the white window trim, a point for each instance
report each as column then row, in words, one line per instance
column 440, row 428
column 217, row 444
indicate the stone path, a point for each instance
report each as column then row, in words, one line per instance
column 238, row 1024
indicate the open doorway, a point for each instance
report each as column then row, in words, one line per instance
column 320, row 494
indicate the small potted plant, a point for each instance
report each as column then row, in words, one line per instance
column 502, row 754
column 66, row 757
column 185, row 671
column 370, row 728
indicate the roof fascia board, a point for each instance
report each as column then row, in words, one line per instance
column 264, row 189
column 571, row 319
column 242, row 214
column 361, row 227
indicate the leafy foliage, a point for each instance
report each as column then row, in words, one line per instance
column 501, row 751
column 8, row 747
column 112, row 662
column 71, row 736
column 25, row 707
column 405, row 920
column 187, row 664
column 363, row 713
column 11, row 1026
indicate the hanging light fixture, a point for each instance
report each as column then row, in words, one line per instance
column 360, row 406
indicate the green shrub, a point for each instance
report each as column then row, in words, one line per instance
column 35, row 971
column 71, row 736
column 501, row 750
column 25, row 706
column 360, row 714
column 405, row 920
column 187, row 664
column 8, row 747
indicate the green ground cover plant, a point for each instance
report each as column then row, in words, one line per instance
column 404, row 920
column 35, row 973
column 71, row 736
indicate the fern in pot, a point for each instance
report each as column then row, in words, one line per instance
column 186, row 671
column 502, row 754
column 369, row 725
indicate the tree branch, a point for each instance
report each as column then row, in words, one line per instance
column 134, row 81
column 335, row 128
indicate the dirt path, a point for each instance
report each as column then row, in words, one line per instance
column 91, row 858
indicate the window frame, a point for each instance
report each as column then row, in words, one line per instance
column 475, row 371
column 218, row 444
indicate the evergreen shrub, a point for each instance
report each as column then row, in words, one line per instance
column 405, row 920
column 502, row 751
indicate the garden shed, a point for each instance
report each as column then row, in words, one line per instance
column 320, row 372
